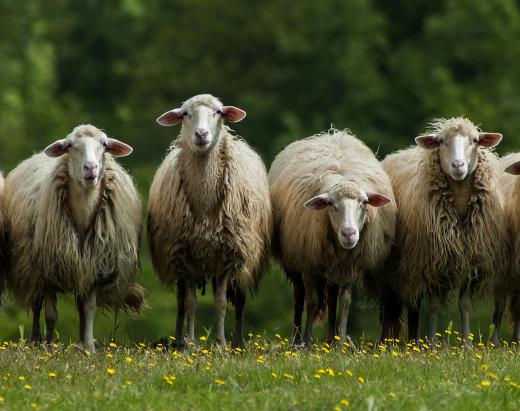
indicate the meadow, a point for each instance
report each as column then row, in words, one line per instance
column 269, row 374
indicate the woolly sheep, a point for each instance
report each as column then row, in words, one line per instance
column 451, row 231
column 209, row 213
column 73, row 220
column 510, row 185
column 341, row 233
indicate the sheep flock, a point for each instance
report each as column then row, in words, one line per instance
column 430, row 223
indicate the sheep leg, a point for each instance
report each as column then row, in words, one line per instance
column 332, row 302
column 345, row 298
column 181, row 310
column 464, row 310
column 434, row 307
column 515, row 316
column 500, row 305
column 240, row 302
column 87, row 313
column 312, row 302
column 51, row 317
column 299, row 303
column 36, row 308
column 391, row 312
column 190, row 306
column 220, row 292
column 413, row 321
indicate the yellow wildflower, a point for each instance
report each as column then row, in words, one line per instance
column 111, row 371
column 52, row 374
column 220, row 382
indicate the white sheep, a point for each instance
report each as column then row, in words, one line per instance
column 209, row 213
column 73, row 222
column 510, row 286
column 451, row 231
column 341, row 233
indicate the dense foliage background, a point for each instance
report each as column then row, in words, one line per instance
column 381, row 68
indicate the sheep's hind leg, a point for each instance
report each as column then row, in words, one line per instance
column 332, row 302
column 311, row 301
column 220, row 295
column 345, row 299
column 51, row 317
column 515, row 315
column 87, row 313
column 240, row 302
column 181, row 310
column 413, row 321
column 434, row 307
column 391, row 312
column 36, row 308
column 464, row 309
column 190, row 304
column 299, row 303
column 500, row 305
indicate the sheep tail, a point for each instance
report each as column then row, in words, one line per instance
column 134, row 300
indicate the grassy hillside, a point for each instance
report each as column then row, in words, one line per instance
column 267, row 375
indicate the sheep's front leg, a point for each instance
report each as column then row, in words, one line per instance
column 311, row 301
column 332, row 302
column 221, row 284
column 87, row 314
column 51, row 317
column 36, row 308
column 434, row 307
column 345, row 299
column 240, row 302
column 500, row 305
column 299, row 303
column 413, row 321
column 190, row 304
column 464, row 309
column 515, row 316
column 181, row 309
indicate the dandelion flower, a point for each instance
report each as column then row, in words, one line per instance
column 361, row 380
column 344, row 402
column 220, row 382
column 203, row 338
column 111, row 371
column 485, row 383
column 274, row 375
column 112, row 345
column 27, row 387
column 52, row 374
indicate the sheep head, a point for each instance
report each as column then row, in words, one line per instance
column 202, row 117
column 458, row 140
column 86, row 146
column 346, row 205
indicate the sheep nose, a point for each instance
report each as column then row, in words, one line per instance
column 348, row 232
column 201, row 133
column 90, row 166
column 457, row 163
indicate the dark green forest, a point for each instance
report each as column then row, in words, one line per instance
column 381, row 68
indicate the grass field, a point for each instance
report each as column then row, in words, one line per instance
column 267, row 375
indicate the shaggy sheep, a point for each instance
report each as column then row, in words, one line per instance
column 73, row 222
column 451, row 231
column 342, row 233
column 510, row 287
column 209, row 213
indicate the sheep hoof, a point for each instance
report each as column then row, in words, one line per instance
column 238, row 343
column 86, row 348
column 35, row 339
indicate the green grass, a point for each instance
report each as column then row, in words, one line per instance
column 268, row 375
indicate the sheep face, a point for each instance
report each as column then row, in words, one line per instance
column 86, row 147
column 202, row 117
column 347, row 207
column 458, row 143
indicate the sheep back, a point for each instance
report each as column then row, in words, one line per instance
column 303, row 240
column 48, row 253
column 436, row 251
column 234, row 236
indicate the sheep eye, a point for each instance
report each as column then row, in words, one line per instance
column 219, row 112
column 475, row 140
column 441, row 140
column 105, row 144
column 184, row 113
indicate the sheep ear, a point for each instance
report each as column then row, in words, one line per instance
column 427, row 141
column 377, row 200
column 489, row 140
column 513, row 168
column 57, row 149
column 118, row 148
column 170, row 118
column 318, row 203
column 233, row 114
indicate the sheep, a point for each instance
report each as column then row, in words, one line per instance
column 510, row 286
column 209, row 214
column 341, row 233
column 73, row 223
column 2, row 239
column 451, row 230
